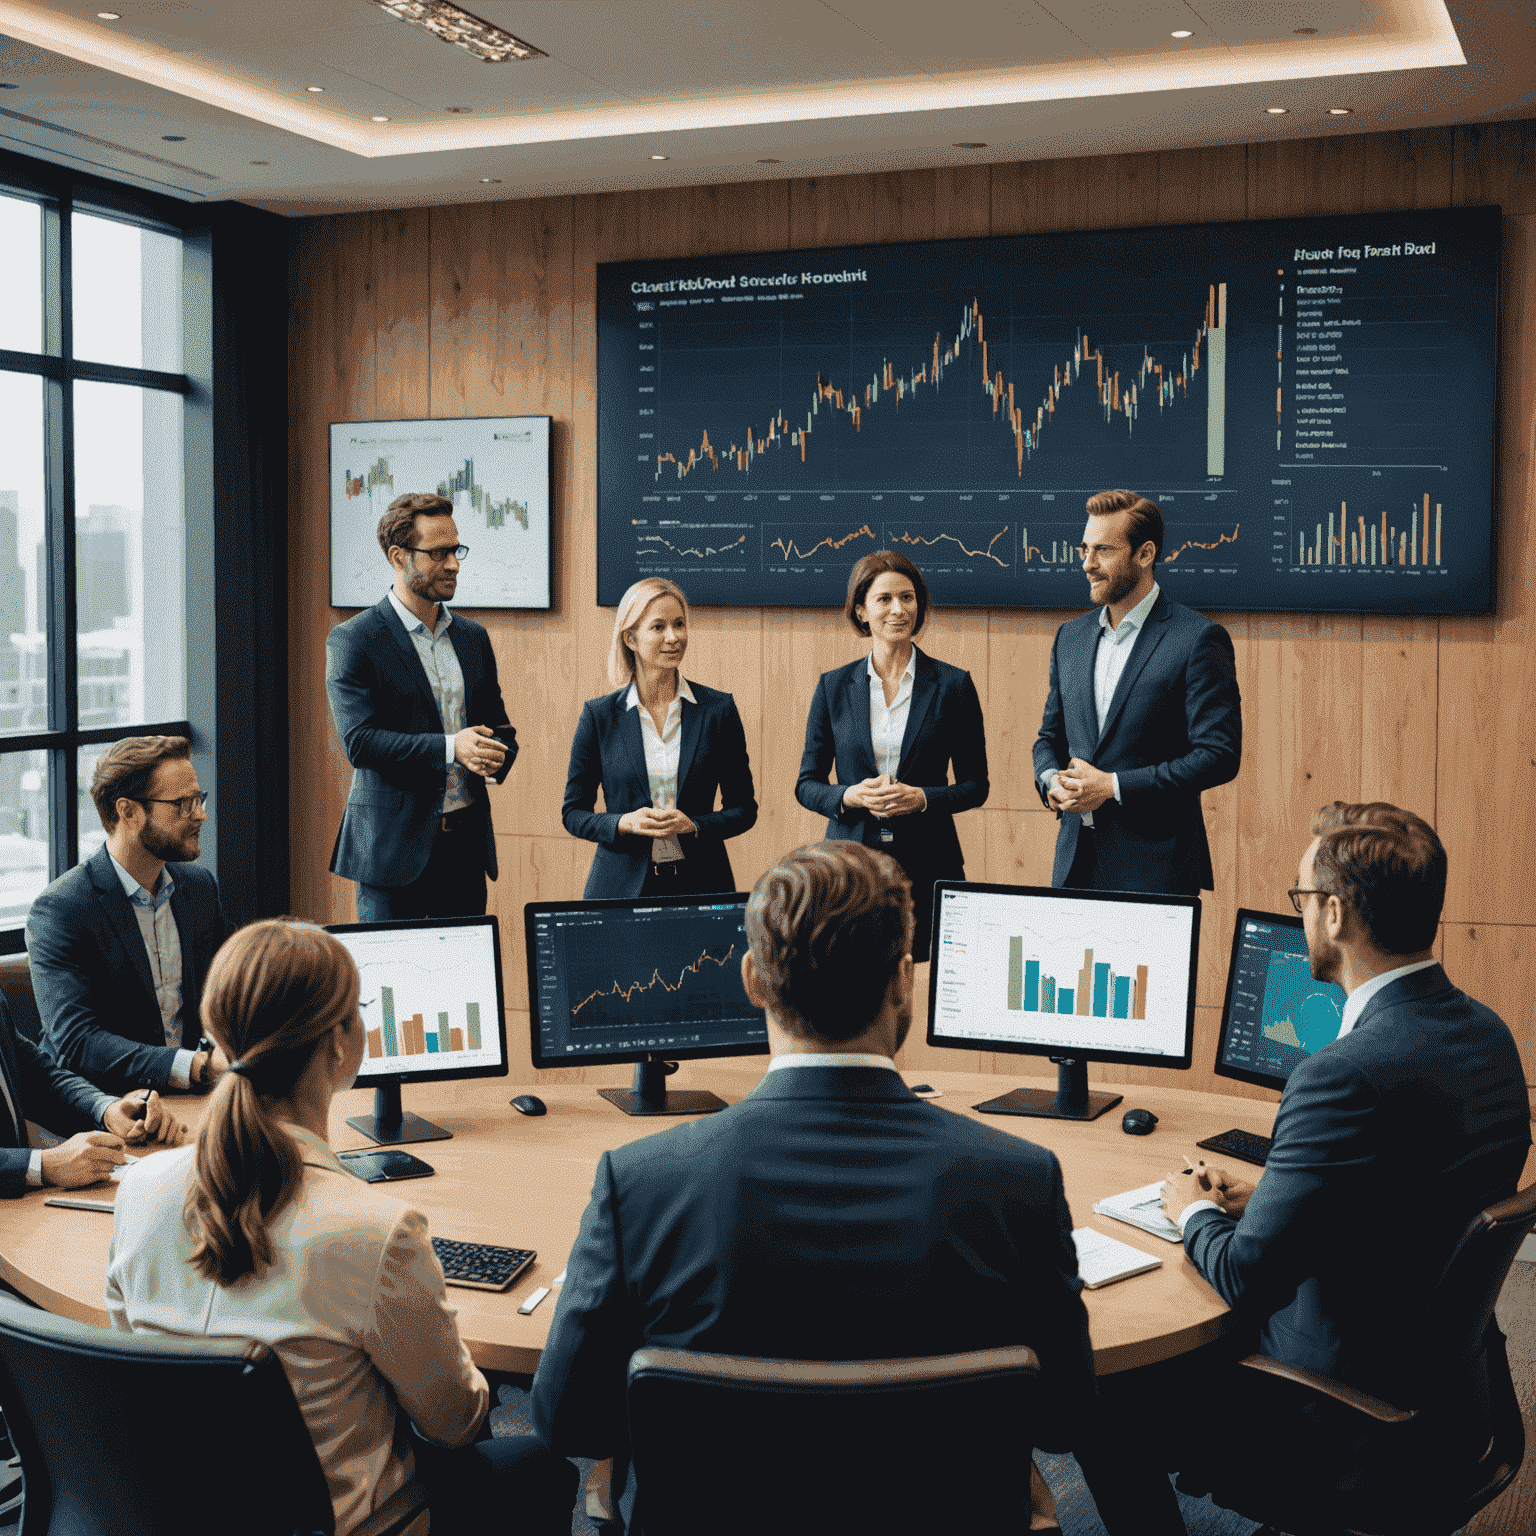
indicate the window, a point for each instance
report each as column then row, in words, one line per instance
column 93, row 608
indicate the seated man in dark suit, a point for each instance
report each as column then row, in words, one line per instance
column 1388, row 1141
column 831, row 1214
column 98, row 1126
column 119, row 945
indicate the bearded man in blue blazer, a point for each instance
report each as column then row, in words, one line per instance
column 405, row 678
column 1142, row 715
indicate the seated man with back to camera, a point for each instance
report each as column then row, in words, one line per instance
column 1388, row 1141
column 119, row 945
column 831, row 1214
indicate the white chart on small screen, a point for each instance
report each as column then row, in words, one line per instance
column 428, row 999
column 1063, row 971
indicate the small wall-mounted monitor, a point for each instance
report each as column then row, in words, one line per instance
column 1076, row 976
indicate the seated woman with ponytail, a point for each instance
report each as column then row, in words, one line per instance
column 257, row 1231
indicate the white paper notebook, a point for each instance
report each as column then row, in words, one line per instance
column 1102, row 1260
column 1141, row 1208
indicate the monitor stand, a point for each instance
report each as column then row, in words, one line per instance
column 389, row 1124
column 1071, row 1101
column 648, row 1094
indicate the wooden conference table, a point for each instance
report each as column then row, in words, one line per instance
column 524, row 1182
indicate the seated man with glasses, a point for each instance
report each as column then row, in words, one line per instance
column 405, row 680
column 119, row 946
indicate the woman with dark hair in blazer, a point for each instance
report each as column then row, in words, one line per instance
column 659, row 748
column 891, row 723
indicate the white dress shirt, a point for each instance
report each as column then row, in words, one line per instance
column 1354, row 1006
column 888, row 722
column 162, row 943
column 445, row 677
column 661, row 755
column 353, row 1303
column 830, row 1059
column 1114, row 650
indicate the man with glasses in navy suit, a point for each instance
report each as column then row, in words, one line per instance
column 1142, row 715
column 405, row 678
column 118, row 946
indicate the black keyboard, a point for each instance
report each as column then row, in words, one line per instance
column 1243, row 1145
column 481, row 1266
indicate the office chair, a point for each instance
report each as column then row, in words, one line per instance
column 1407, row 1487
column 799, row 1448
column 126, row 1434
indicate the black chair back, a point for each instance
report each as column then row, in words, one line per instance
column 16, row 989
column 1475, row 1273
column 140, row 1435
column 730, row 1443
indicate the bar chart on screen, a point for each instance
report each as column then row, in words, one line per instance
column 421, row 1012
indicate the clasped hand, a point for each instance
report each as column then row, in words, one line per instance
column 477, row 748
column 885, row 797
column 1081, row 787
column 90, row 1156
column 649, row 822
column 1204, row 1182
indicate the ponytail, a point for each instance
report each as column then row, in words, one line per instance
column 274, row 993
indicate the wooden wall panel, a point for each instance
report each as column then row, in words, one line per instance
column 491, row 308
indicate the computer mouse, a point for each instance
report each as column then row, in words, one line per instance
column 1137, row 1122
column 529, row 1104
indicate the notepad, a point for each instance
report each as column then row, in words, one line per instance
column 1141, row 1208
column 1103, row 1260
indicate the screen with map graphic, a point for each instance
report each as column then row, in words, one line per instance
column 1276, row 1013
column 495, row 471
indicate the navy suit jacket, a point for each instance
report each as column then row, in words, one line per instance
column 944, row 725
column 392, row 733
column 90, row 972
column 43, row 1092
column 830, row 1215
column 609, row 752
column 1174, row 728
column 1387, row 1143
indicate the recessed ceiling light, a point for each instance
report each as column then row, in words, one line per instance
column 452, row 25
column 261, row 162
column 1340, row 111
column 661, row 157
column 1183, row 32
column 1277, row 111
column 315, row 90
column 381, row 119
column 1305, row 32
column 490, row 181
column 458, row 110
column 109, row 15
column 174, row 138
column 768, row 162
column 968, row 145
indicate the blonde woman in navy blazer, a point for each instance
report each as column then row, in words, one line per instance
column 893, row 791
column 659, row 833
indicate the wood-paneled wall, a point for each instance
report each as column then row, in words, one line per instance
column 489, row 309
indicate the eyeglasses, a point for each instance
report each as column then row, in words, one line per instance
column 186, row 805
column 437, row 556
column 1101, row 550
column 1296, row 892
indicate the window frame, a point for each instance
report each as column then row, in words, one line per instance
column 59, row 194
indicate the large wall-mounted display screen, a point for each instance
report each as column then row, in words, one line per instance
column 1311, row 402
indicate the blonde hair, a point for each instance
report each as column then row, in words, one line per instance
column 274, row 993
column 632, row 606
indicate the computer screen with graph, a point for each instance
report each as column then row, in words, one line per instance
column 627, row 980
column 431, row 998
column 1092, row 975
column 1276, row 1013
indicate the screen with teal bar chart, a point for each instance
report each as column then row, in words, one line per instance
column 1053, row 970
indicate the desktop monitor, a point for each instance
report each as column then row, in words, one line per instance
column 652, row 981
column 1275, row 1014
column 432, row 1012
column 1077, row 976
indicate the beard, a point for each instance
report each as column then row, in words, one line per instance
column 174, row 847
column 1325, row 961
column 422, row 584
column 1119, row 585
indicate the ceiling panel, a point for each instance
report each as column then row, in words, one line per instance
column 1021, row 33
